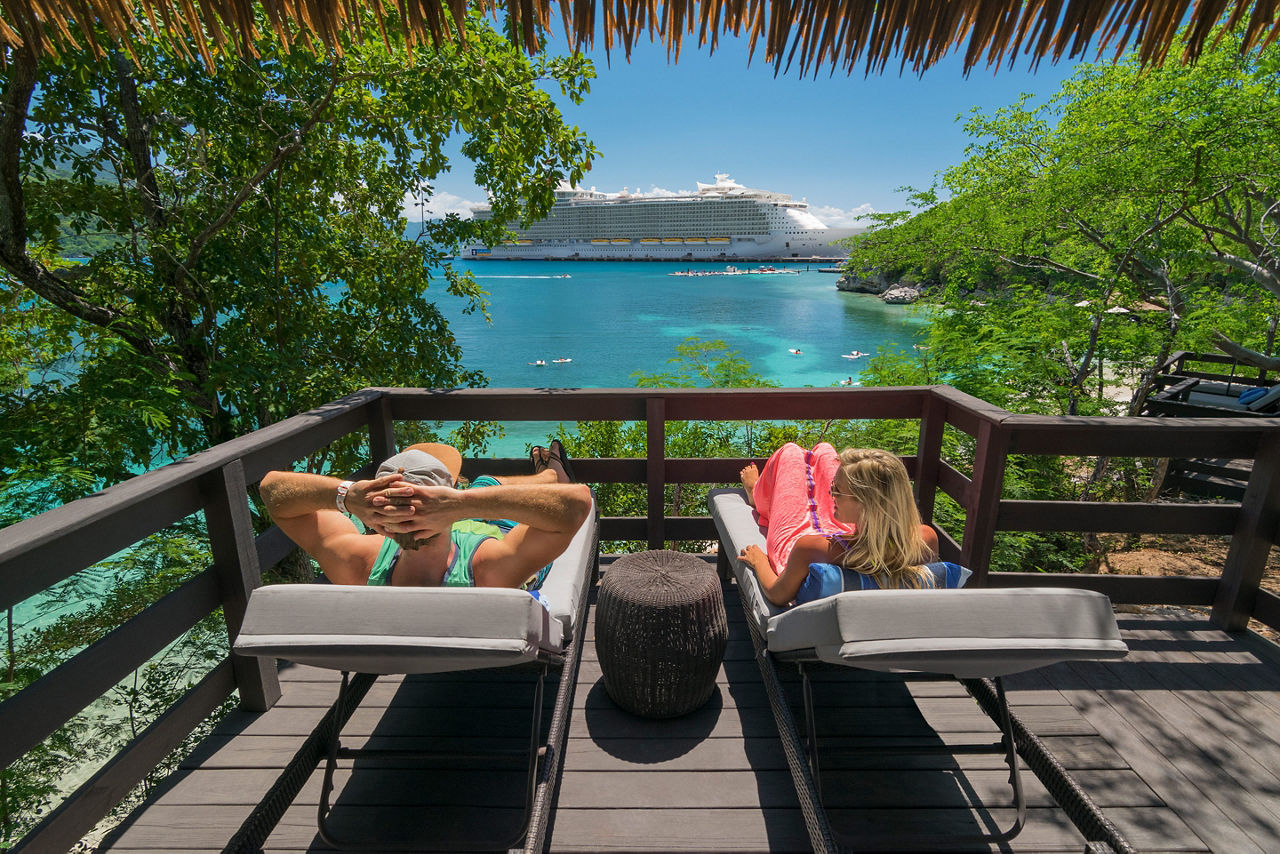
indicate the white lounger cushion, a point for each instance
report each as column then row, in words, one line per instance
column 567, row 583
column 736, row 521
column 397, row 629
column 967, row 633
column 420, row 629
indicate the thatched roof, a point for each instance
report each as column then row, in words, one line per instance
column 811, row 34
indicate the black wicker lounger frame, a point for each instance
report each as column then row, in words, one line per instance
column 801, row 746
column 802, row 760
column 542, row 759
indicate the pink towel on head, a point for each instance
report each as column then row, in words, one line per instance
column 793, row 498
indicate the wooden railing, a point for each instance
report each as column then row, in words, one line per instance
column 39, row 552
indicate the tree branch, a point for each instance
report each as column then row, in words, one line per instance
column 1038, row 262
column 1265, row 276
column 137, row 140
column 13, row 124
column 14, row 257
column 1244, row 354
column 282, row 153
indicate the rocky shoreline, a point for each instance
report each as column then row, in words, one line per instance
column 893, row 293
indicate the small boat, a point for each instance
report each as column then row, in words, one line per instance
column 599, row 241
column 541, row 363
column 794, row 352
column 672, row 241
column 856, row 354
column 718, row 241
column 561, row 276
column 693, row 240
column 561, row 361
column 621, row 241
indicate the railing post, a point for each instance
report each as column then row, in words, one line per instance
column 1252, row 539
column 982, row 501
column 235, row 559
column 655, row 410
column 929, row 454
column 382, row 430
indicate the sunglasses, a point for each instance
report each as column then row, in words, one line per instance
column 835, row 492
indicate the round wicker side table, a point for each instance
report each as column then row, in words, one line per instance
column 660, row 632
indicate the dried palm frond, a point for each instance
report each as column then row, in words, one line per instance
column 839, row 34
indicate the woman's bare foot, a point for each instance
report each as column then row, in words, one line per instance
column 750, row 474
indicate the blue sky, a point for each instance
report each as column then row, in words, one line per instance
column 844, row 143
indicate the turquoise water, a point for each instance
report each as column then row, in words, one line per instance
column 614, row 319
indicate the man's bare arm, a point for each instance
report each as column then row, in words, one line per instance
column 553, row 507
column 289, row 495
column 305, row 508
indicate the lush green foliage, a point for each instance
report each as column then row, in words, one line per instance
column 244, row 259
column 1147, row 191
column 262, row 268
column 697, row 364
column 1082, row 241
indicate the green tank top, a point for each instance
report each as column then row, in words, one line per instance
column 466, row 537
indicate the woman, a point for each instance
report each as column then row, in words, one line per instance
column 854, row 509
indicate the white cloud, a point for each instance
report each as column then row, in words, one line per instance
column 841, row 218
column 660, row 193
column 438, row 205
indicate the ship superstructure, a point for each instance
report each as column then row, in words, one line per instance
column 720, row 222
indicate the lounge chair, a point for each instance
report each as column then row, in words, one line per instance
column 974, row 635
column 1193, row 396
column 409, row 630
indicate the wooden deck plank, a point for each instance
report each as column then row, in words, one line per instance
column 1045, row 830
column 1164, row 760
column 717, row 779
column 618, row 830
column 1203, row 706
column 613, row 830
column 209, row 828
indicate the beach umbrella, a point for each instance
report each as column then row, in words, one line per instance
column 811, row 34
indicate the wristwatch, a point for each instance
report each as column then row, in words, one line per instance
column 342, row 495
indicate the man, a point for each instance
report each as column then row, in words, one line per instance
column 502, row 532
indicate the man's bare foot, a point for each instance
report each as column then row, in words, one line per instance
column 545, row 459
column 750, row 474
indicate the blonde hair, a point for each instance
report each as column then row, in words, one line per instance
column 888, row 545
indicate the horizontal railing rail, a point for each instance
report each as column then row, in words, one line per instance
column 44, row 550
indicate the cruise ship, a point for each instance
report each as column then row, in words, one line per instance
column 724, row 221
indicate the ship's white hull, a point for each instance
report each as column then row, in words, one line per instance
column 793, row 246
column 724, row 221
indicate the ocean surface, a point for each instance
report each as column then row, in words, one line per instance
column 617, row 319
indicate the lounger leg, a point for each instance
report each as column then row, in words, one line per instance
column 334, row 750
column 1011, row 757
column 536, row 751
column 332, row 737
column 810, row 728
column 899, row 841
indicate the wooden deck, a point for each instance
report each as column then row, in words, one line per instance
column 717, row 780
